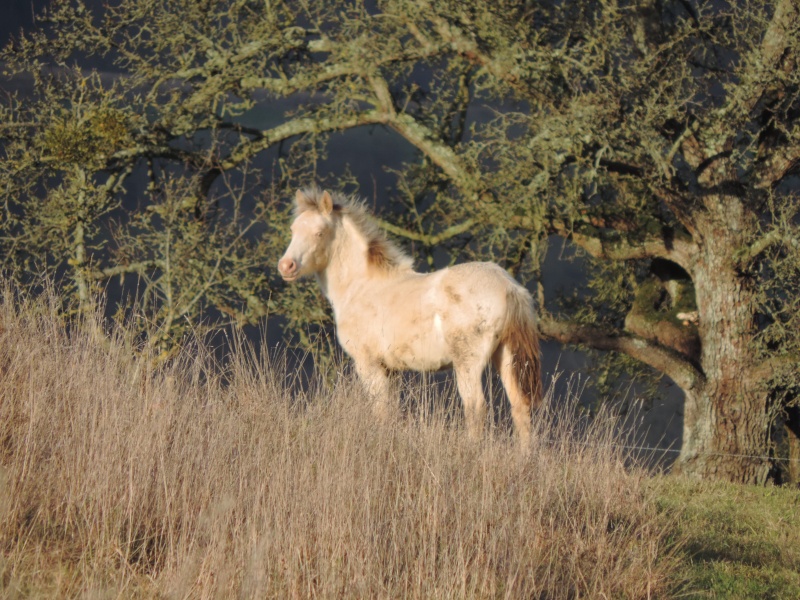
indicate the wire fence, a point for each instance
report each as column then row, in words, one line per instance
column 655, row 449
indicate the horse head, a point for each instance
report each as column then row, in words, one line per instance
column 313, row 231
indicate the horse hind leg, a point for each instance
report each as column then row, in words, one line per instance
column 503, row 359
column 468, row 380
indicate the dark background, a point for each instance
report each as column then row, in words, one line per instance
column 18, row 14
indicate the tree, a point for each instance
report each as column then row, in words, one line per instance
column 660, row 138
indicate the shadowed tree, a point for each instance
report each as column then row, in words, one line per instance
column 659, row 138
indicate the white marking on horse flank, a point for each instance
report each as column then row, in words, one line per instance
column 437, row 324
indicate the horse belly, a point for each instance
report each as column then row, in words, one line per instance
column 416, row 349
column 398, row 346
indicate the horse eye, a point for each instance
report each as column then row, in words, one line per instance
column 318, row 234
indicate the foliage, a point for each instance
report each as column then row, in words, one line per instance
column 660, row 137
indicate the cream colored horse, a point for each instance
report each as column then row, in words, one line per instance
column 391, row 318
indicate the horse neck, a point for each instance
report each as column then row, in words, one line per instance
column 348, row 263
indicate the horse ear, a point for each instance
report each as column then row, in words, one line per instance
column 326, row 203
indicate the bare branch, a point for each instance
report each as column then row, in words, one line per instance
column 778, row 165
column 768, row 240
column 138, row 268
column 669, row 362
column 329, row 71
column 427, row 239
column 300, row 126
column 669, row 244
column 440, row 153
column 775, row 366
column 774, row 56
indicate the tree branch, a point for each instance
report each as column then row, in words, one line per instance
column 775, row 366
column 468, row 48
column 295, row 127
column 151, row 151
column 138, row 268
column 668, row 244
column 669, row 362
column 425, row 139
column 285, row 86
column 221, row 61
column 778, row 164
column 424, row 238
column 769, row 239
column 765, row 63
column 442, row 155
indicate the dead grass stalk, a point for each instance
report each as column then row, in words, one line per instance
column 198, row 480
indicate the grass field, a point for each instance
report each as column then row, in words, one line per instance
column 738, row 541
column 201, row 480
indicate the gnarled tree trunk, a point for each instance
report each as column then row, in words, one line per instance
column 726, row 421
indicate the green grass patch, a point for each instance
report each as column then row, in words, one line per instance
column 742, row 541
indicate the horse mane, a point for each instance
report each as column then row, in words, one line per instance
column 382, row 253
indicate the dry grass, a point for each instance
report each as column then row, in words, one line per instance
column 120, row 480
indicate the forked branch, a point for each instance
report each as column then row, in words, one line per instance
column 669, row 362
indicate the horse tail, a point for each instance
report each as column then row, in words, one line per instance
column 522, row 340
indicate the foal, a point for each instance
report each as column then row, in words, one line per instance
column 391, row 318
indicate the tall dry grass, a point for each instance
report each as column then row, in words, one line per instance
column 194, row 480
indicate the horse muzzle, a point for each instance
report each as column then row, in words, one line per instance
column 287, row 267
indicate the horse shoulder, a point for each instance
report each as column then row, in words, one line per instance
column 364, row 310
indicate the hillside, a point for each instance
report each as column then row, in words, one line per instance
column 124, row 478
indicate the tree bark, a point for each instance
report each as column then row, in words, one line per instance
column 725, row 436
column 726, row 421
column 792, row 433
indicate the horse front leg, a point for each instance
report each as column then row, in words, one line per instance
column 378, row 385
